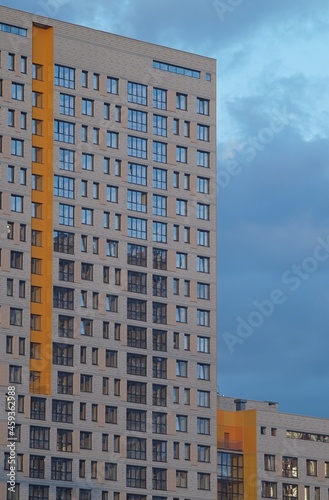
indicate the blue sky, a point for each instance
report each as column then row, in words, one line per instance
column 273, row 144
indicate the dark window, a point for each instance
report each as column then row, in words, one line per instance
column 136, row 392
column 136, row 255
column 136, row 309
column 159, row 340
column 62, row 411
column 159, row 259
column 63, row 297
column 159, row 367
column 159, row 422
column 65, row 326
column 64, row 440
column 135, row 476
column 39, row 437
column 62, row 354
column 137, row 282
column 61, row 469
column 64, row 383
column 136, row 420
column 63, row 242
column 136, row 448
column 159, row 313
column 136, row 336
column 38, row 408
column 159, row 286
column 136, row 364
column 159, row 395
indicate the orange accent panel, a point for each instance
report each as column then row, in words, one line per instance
column 43, row 54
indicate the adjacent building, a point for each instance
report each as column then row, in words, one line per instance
column 108, row 265
column 263, row 453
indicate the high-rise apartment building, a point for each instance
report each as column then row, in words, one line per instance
column 108, row 265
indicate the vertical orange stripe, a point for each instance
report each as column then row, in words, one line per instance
column 43, row 54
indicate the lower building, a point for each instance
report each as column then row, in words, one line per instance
column 263, row 453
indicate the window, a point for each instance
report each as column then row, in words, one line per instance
column 136, row 420
column 181, row 368
column 203, row 317
column 159, row 423
column 203, row 371
column 203, row 264
column 269, row 462
column 181, row 207
column 181, row 154
column 136, row 392
column 159, row 285
column 159, row 338
column 11, row 121
column 203, row 344
column 118, row 114
column 87, row 161
column 135, row 477
column 203, row 425
column 63, row 242
column 203, row 132
column 63, row 186
column 159, row 178
column 66, row 214
column 181, row 260
column 16, row 203
column 181, row 479
column 137, row 228
column 159, row 205
column 160, row 125
column 85, row 440
column 137, row 147
column 37, row 467
column 112, row 85
column 204, row 398
column 64, row 76
column 289, row 491
column 159, row 367
column 111, row 359
column 11, row 62
column 137, row 120
column 311, row 468
column 203, row 453
column 64, row 383
column 159, row 98
column 136, row 448
column 159, row 259
column 159, row 479
column 84, row 133
column 39, row 437
column 202, row 159
column 17, row 147
column 202, row 106
column 111, row 471
column 203, row 238
column 15, row 374
column 17, row 91
column 66, row 104
column 111, row 414
column 181, row 101
column 62, row 411
column 137, row 174
column 66, row 159
column 62, row 354
column 136, row 92
column 136, row 255
column 16, row 260
column 202, row 211
column 87, row 216
column 16, row 316
column 160, row 152
column 87, row 107
column 175, row 126
column 159, row 313
column 86, row 383
column 137, row 282
column 112, row 139
column 203, row 481
column 326, row 469
column 137, row 201
column 181, row 423
column 181, row 314
column 64, row 131
column 96, row 81
column 160, row 232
